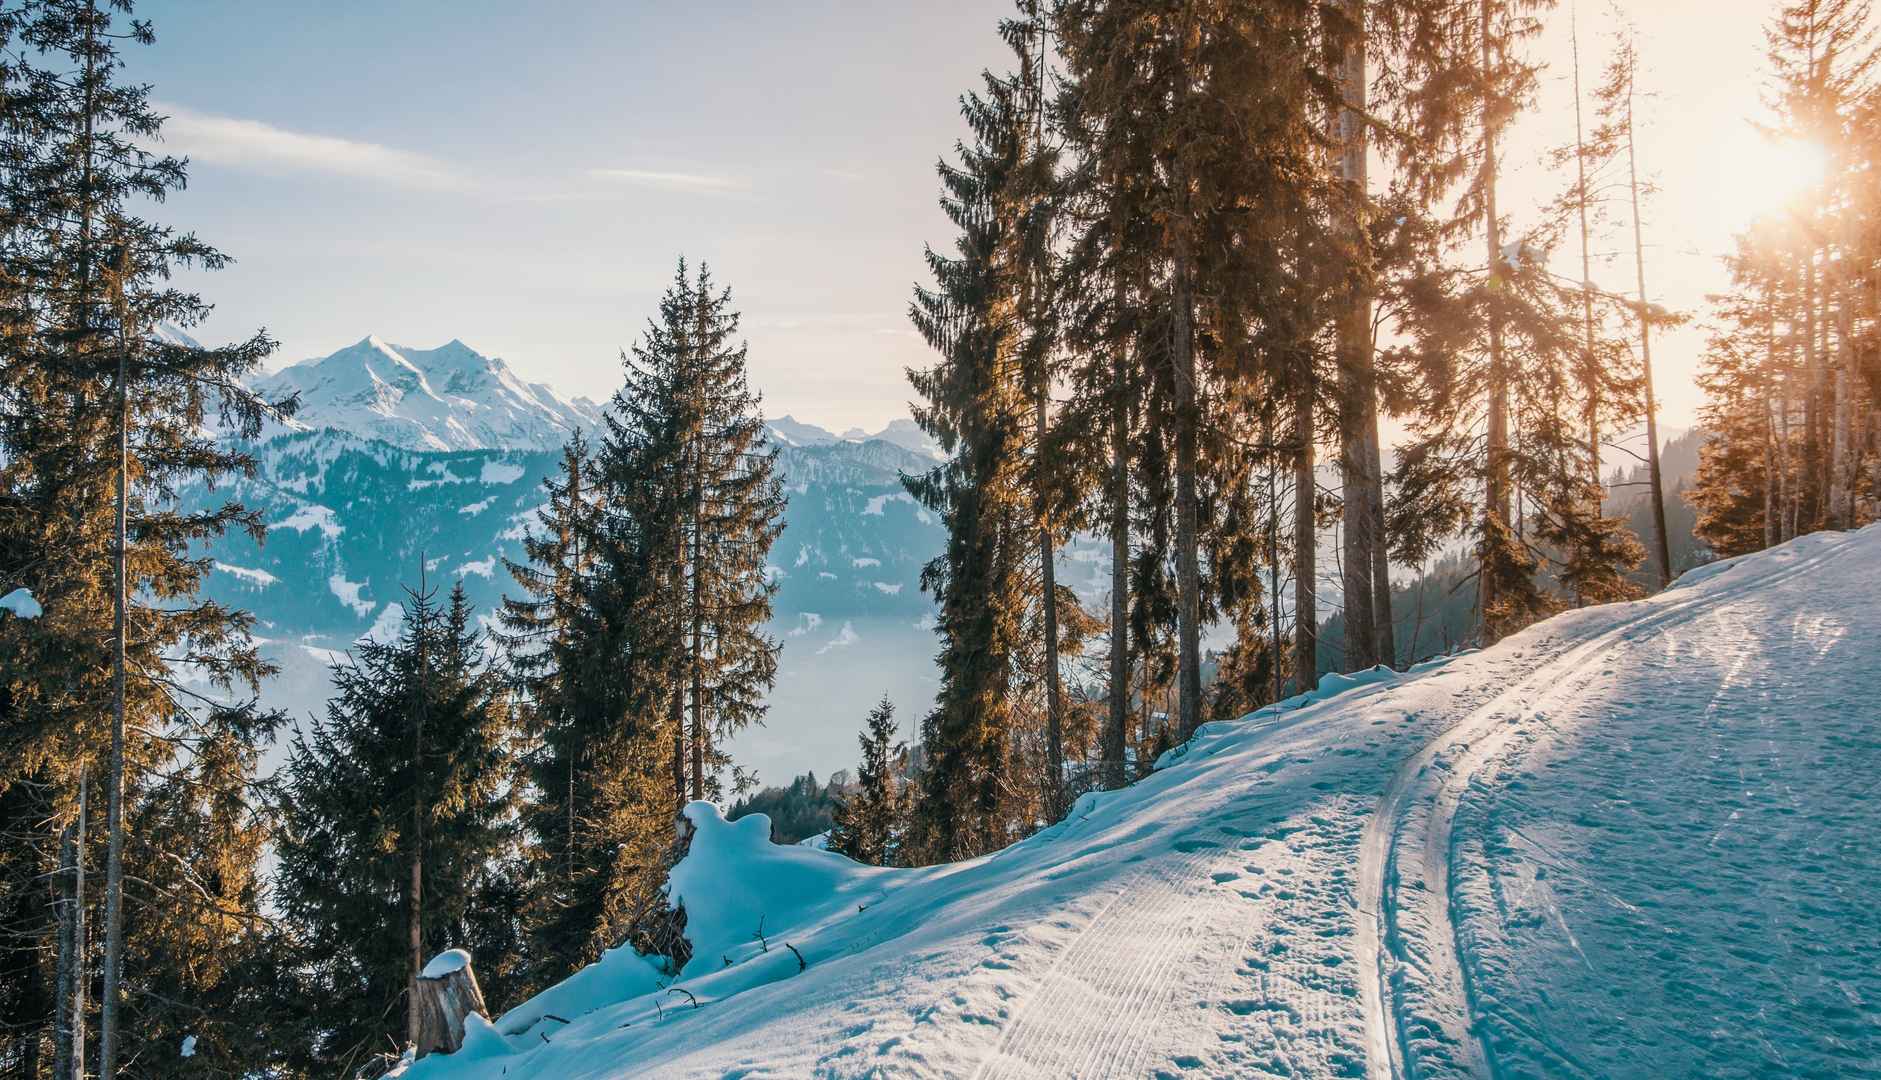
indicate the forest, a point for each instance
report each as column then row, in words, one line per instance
column 1235, row 288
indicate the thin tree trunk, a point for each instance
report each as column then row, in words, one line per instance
column 1590, row 370
column 698, row 632
column 1496, row 488
column 1358, row 452
column 1041, row 403
column 114, row 821
column 1809, row 509
column 1662, row 552
column 1188, row 570
column 114, row 779
column 414, row 927
column 69, row 1031
column 1119, row 571
column 1842, row 449
column 1772, row 478
column 1787, row 454
column 1305, row 540
column 1276, row 662
column 678, row 706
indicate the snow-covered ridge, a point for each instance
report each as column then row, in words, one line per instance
column 1631, row 840
column 448, row 398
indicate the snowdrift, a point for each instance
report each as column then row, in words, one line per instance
column 1399, row 872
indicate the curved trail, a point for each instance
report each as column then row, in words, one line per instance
column 1415, row 817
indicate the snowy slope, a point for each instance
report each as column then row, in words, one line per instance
column 1632, row 841
column 448, row 398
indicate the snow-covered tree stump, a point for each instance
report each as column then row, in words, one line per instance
column 447, row 993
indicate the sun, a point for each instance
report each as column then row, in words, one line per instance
column 1758, row 177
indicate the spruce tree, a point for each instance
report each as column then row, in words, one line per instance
column 685, row 441
column 411, row 767
column 977, row 410
column 591, row 695
column 870, row 821
column 101, row 420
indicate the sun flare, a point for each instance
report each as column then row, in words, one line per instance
column 1760, row 177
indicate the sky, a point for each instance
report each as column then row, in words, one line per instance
column 524, row 177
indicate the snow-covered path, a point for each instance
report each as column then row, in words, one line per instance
column 1632, row 841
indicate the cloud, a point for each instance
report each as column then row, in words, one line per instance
column 705, row 183
column 251, row 144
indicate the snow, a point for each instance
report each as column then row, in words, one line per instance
column 259, row 578
column 444, row 963
column 484, row 567
column 312, row 517
column 386, row 628
column 1635, row 840
column 501, row 472
column 879, row 504
column 448, row 398
column 350, row 593
column 22, row 604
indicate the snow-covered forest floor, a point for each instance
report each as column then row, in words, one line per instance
column 1635, row 840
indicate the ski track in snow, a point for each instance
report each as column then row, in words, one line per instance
column 1421, row 999
column 1633, row 841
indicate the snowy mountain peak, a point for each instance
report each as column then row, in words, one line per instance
column 448, row 398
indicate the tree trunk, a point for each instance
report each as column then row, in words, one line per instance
column 1590, row 369
column 1386, row 635
column 1359, row 484
column 70, row 1031
column 414, row 912
column 1496, row 486
column 1041, row 405
column 1119, row 573
column 446, row 994
column 1809, row 493
column 1305, row 540
column 1188, row 570
column 114, row 811
column 1842, row 448
column 697, row 656
column 678, row 706
column 1276, row 663
column 1662, row 553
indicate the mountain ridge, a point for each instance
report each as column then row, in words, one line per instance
column 453, row 397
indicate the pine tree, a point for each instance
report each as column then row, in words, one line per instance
column 103, row 419
column 592, row 704
column 686, row 436
column 411, row 767
column 869, row 822
column 978, row 412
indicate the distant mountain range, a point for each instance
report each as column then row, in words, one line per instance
column 405, row 463
column 456, row 398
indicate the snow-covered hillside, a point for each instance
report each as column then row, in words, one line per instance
column 1635, row 840
column 448, row 398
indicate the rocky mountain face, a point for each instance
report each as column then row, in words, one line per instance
column 448, row 398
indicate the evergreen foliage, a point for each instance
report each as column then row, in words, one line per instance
column 869, row 822
column 413, row 762
column 100, row 408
